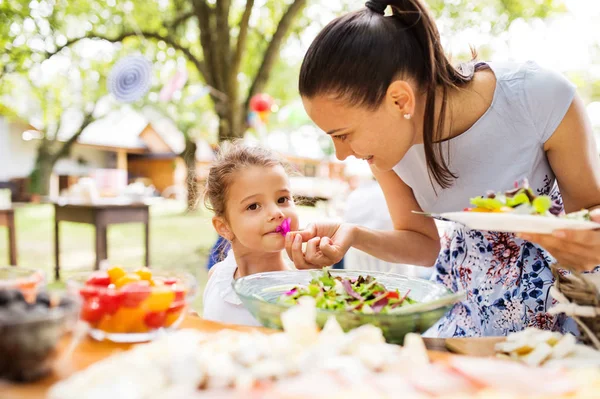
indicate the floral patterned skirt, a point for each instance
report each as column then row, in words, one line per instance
column 507, row 281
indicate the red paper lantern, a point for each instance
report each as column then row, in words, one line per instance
column 261, row 102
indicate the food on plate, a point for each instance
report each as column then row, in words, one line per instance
column 303, row 362
column 363, row 294
column 536, row 347
column 522, row 200
column 117, row 301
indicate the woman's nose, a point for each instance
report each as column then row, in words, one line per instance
column 342, row 151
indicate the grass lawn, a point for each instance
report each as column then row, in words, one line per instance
column 178, row 240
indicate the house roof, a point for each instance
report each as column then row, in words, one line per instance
column 122, row 128
column 119, row 129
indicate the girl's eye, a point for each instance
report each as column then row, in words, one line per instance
column 252, row 207
column 341, row 137
column 283, row 200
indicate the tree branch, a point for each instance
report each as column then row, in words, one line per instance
column 180, row 19
column 66, row 146
column 272, row 51
column 199, row 64
column 204, row 14
column 223, row 44
column 241, row 40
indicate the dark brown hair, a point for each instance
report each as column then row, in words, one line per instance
column 357, row 56
column 232, row 158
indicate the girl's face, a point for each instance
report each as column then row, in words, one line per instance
column 258, row 201
column 382, row 137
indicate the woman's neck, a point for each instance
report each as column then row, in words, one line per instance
column 251, row 262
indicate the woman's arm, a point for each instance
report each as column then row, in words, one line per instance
column 415, row 238
column 574, row 158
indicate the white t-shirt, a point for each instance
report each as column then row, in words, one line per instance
column 221, row 303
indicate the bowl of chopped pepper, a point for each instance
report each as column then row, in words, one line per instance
column 397, row 304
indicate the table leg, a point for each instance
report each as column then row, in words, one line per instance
column 56, row 250
column 147, row 242
column 101, row 251
column 12, row 243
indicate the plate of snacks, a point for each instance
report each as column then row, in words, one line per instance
column 518, row 210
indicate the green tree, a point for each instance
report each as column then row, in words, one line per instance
column 59, row 106
column 233, row 46
column 220, row 40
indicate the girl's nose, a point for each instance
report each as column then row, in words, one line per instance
column 276, row 214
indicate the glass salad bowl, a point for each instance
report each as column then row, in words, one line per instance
column 260, row 294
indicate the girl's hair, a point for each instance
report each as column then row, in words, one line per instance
column 232, row 158
column 357, row 56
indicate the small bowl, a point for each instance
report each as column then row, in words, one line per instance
column 133, row 313
column 29, row 281
column 260, row 293
column 29, row 335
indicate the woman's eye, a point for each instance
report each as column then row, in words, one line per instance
column 252, row 207
column 341, row 137
column 283, row 200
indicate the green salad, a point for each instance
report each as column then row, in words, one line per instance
column 360, row 294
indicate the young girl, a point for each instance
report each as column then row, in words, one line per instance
column 435, row 136
column 249, row 192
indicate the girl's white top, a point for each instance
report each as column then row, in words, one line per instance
column 221, row 303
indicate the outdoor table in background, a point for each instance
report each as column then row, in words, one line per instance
column 7, row 218
column 100, row 216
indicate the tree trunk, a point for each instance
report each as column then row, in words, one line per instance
column 231, row 122
column 189, row 157
column 39, row 178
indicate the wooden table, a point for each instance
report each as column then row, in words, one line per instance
column 90, row 351
column 100, row 216
column 7, row 218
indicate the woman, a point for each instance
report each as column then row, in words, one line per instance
column 435, row 136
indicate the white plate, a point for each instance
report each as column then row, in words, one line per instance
column 515, row 223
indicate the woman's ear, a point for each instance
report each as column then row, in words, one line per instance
column 222, row 228
column 401, row 96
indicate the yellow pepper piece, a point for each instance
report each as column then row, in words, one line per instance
column 144, row 273
column 126, row 279
column 115, row 273
column 159, row 300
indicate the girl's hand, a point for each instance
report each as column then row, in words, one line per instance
column 327, row 243
column 578, row 249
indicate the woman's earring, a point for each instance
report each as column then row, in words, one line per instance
column 407, row 116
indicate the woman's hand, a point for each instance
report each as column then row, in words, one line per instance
column 578, row 249
column 327, row 243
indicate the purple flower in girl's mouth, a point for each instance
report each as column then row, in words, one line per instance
column 284, row 227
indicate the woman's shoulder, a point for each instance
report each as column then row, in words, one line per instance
column 540, row 94
column 531, row 78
